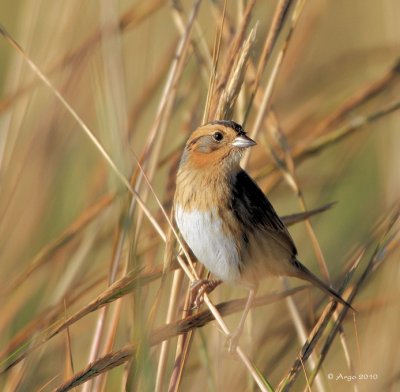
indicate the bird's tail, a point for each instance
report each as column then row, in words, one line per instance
column 303, row 272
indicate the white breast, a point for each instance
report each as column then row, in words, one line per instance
column 203, row 232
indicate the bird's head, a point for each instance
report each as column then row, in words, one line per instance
column 218, row 143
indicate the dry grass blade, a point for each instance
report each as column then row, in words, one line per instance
column 215, row 58
column 135, row 15
column 131, row 18
column 85, row 128
column 358, row 98
column 315, row 334
column 114, row 292
column 302, row 152
column 69, row 362
column 45, row 319
column 231, row 91
column 278, row 21
column 324, row 319
column 166, row 332
column 150, row 89
column 53, row 247
column 291, row 176
column 344, row 131
column 200, row 50
column 69, row 108
column 183, row 347
column 48, row 383
column 158, row 130
column 156, row 134
column 292, row 219
column 91, row 135
column 98, row 367
column 227, row 73
column 171, row 314
column 376, row 259
column 264, row 106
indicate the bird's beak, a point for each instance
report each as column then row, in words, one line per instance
column 243, row 141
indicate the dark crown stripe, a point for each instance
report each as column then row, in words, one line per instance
column 231, row 124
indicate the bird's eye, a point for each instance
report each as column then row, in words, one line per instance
column 218, row 136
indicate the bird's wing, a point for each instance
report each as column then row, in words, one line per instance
column 255, row 212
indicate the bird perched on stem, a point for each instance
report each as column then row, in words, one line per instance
column 227, row 221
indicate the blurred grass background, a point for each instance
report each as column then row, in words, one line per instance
column 111, row 61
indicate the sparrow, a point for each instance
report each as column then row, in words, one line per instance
column 227, row 221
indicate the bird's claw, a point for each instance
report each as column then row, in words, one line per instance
column 200, row 287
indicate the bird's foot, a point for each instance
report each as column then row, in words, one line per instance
column 200, row 287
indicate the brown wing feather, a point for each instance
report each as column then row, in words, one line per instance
column 255, row 212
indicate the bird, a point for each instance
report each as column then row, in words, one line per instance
column 226, row 220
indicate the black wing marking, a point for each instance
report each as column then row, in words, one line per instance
column 254, row 211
